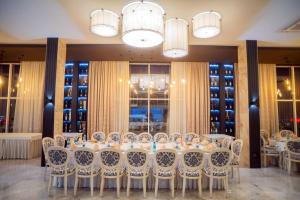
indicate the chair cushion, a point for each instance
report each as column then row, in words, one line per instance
column 111, row 173
column 87, row 171
column 190, row 173
column 164, row 174
column 60, row 171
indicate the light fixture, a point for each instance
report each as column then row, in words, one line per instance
column 104, row 23
column 206, row 24
column 143, row 24
column 176, row 38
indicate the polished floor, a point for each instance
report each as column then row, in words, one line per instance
column 21, row 179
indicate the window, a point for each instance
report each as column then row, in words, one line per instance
column 288, row 98
column 9, row 83
column 149, row 98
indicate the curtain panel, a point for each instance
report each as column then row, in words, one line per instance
column 267, row 98
column 108, row 100
column 189, row 98
column 30, row 98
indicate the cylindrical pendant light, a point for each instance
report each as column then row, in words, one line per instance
column 176, row 38
column 143, row 24
column 206, row 24
column 104, row 23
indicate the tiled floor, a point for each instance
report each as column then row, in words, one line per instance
column 25, row 180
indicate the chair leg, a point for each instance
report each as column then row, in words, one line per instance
column 156, row 186
column 172, row 187
column 265, row 160
column 45, row 171
column 65, row 184
column 238, row 173
column 226, row 186
column 102, row 186
column 210, row 186
column 75, row 185
column 289, row 167
column 231, row 172
column 183, row 186
column 128, row 185
column 200, row 186
column 92, row 184
column 118, row 186
column 50, row 182
column 144, row 186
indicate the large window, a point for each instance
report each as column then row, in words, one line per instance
column 288, row 98
column 149, row 98
column 9, row 83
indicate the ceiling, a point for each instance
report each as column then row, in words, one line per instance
column 32, row 21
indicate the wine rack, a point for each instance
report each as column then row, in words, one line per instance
column 222, row 109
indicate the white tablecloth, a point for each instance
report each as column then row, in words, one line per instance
column 20, row 145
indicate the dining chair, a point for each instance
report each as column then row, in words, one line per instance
column 114, row 137
column 59, row 140
column 267, row 150
column 99, row 136
column 161, row 137
column 189, row 137
column 293, row 152
column 110, row 163
column 137, row 167
column 85, row 167
column 236, row 150
column 286, row 133
column 173, row 137
column 165, row 163
column 218, row 167
column 226, row 142
column 192, row 165
column 129, row 137
column 46, row 143
column 144, row 137
column 59, row 162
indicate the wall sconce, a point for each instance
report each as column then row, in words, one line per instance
column 253, row 102
column 49, row 100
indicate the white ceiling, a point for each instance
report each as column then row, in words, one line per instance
column 32, row 21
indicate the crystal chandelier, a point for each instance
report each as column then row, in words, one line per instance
column 206, row 24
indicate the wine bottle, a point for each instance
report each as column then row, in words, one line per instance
column 230, row 83
column 216, row 72
column 70, row 116
column 69, row 128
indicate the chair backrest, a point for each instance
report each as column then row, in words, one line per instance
column 59, row 140
column 193, row 159
column 58, row 157
column 144, row 137
column 189, row 137
column 136, row 159
column 129, row 137
column 161, row 137
column 114, row 137
column 47, row 142
column 220, row 158
column 263, row 142
column 99, row 136
column 84, row 157
column 165, row 159
column 293, row 146
column 286, row 133
column 110, row 159
column 226, row 142
column 173, row 137
column 236, row 148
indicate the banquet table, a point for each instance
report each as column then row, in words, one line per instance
column 191, row 184
column 20, row 145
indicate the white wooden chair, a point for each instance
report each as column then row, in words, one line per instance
column 85, row 167
column 236, row 150
column 114, row 137
column 174, row 137
column 161, row 137
column 99, row 136
column 286, row 133
column 59, row 140
column 226, row 142
column 110, row 162
column 190, row 137
column 144, row 137
column 293, row 153
column 137, row 167
column 46, row 143
column 129, row 137
column 165, row 163
column 59, row 161
column 267, row 151
column 192, row 165
column 218, row 167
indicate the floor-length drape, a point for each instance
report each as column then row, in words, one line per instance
column 108, row 100
column 267, row 98
column 189, row 98
column 30, row 98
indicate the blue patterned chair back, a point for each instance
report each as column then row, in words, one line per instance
column 193, row 159
column 166, row 158
column 47, row 142
column 130, row 137
column 226, row 142
column 114, row 137
column 161, row 137
column 110, row 158
column 57, row 156
column 286, row 133
column 84, row 157
column 99, row 136
column 236, row 147
column 60, row 140
column 188, row 137
column 144, row 137
column 220, row 158
column 136, row 159
column 293, row 146
column 174, row 136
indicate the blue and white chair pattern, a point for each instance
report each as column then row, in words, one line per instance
column 46, row 143
column 99, row 136
column 161, row 137
column 293, row 153
column 129, row 137
column 236, row 150
column 59, row 140
column 189, row 137
column 173, row 137
column 114, row 137
column 144, row 137
column 267, row 150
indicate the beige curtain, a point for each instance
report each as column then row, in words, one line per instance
column 189, row 98
column 108, row 100
column 30, row 98
column 267, row 98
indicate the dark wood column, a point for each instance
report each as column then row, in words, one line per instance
column 253, row 93
column 49, row 94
